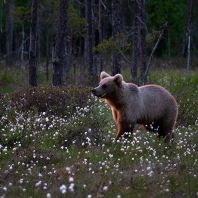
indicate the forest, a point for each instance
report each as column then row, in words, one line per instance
column 56, row 138
column 98, row 35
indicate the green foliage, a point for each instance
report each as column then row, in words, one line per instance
column 158, row 12
column 22, row 14
column 170, row 11
column 49, row 11
column 187, row 99
column 151, row 38
column 75, row 23
column 7, row 77
column 109, row 45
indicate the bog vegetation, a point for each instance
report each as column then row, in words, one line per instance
column 59, row 142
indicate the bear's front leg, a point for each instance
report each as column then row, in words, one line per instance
column 124, row 127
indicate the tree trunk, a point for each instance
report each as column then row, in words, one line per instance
column 59, row 52
column 69, row 50
column 116, row 29
column 190, row 16
column 38, row 40
column 100, row 35
column 135, row 53
column 143, row 78
column 94, row 67
column 90, row 37
column 9, row 31
column 22, row 55
column 188, row 58
column 85, row 55
column 33, row 44
column 163, row 28
column 47, row 52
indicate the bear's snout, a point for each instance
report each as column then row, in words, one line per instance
column 98, row 92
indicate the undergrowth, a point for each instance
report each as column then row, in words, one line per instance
column 59, row 142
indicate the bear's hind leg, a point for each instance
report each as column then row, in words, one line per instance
column 152, row 127
column 162, row 129
column 165, row 131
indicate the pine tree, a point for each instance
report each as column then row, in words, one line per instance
column 116, row 29
column 142, row 79
column 59, row 53
column 133, row 65
column 9, row 31
column 33, row 44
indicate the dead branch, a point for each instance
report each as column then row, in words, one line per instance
column 163, row 27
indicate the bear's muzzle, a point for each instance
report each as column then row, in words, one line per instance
column 93, row 92
column 97, row 93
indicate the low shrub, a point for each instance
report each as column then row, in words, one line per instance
column 69, row 111
column 52, row 100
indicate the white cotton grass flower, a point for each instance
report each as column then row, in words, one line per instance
column 40, row 175
column 71, row 187
column 45, row 186
column 63, row 189
column 4, row 188
column 105, row 188
column 48, row 195
column 150, row 174
column 68, row 169
column 71, row 179
column 84, row 185
column 21, row 181
column 38, row 183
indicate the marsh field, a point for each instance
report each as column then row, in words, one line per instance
column 59, row 142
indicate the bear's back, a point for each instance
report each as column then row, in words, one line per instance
column 156, row 92
column 156, row 98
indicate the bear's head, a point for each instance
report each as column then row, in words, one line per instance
column 108, row 86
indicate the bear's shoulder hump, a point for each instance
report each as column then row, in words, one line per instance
column 132, row 87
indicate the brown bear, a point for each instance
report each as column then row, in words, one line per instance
column 151, row 106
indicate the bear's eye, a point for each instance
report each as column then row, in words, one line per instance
column 104, row 86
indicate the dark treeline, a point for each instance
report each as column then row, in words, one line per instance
column 98, row 29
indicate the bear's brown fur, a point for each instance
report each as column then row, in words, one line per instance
column 151, row 105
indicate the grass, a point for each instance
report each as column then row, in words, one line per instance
column 60, row 143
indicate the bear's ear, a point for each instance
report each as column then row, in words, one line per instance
column 118, row 79
column 103, row 75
